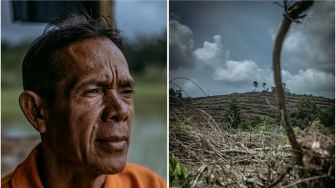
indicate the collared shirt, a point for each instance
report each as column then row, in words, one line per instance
column 26, row 176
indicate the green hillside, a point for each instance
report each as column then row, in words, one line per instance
column 250, row 104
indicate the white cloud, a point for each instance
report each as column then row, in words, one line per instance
column 237, row 71
column 213, row 56
column 212, row 53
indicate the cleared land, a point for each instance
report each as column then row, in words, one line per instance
column 216, row 155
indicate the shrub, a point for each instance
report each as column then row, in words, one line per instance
column 175, row 93
column 177, row 171
column 232, row 114
column 327, row 117
column 304, row 113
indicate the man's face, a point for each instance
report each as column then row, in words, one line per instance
column 89, row 125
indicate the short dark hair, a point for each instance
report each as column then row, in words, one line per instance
column 41, row 69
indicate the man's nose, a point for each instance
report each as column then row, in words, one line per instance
column 115, row 108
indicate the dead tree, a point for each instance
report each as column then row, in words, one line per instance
column 291, row 14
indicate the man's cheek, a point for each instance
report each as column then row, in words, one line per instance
column 88, row 110
column 88, row 120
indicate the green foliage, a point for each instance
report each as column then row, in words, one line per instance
column 175, row 94
column 327, row 117
column 318, row 127
column 10, row 108
column 232, row 114
column 250, row 123
column 144, row 51
column 178, row 171
column 257, row 124
column 299, row 132
column 11, row 60
column 305, row 112
column 186, row 127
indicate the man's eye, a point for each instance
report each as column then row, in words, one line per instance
column 92, row 91
column 128, row 92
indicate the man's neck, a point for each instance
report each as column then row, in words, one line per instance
column 56, row 173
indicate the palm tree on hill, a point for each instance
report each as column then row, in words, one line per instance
column 255, row 85
column 264, row 85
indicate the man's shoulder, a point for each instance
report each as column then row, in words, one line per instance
column 134, row 175
column 25, row 174
column 135, row 168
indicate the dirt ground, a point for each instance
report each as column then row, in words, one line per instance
column 215, row 156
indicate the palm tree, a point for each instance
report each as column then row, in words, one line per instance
column 264, row 85
column 255, row 84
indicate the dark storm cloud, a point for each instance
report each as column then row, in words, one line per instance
column 322, row 31
column 181, row 45
column 311, row 45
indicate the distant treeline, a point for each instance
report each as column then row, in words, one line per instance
column 144, row 51
column 141, row 52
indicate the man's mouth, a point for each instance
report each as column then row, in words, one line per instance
column 115, row 143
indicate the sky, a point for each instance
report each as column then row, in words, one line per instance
column 133, row 17
column 223, row 46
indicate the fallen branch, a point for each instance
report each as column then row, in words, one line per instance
column 304, row 180
column 274, row 183
column 200, row 170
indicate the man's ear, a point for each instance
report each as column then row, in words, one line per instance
column 34, row 109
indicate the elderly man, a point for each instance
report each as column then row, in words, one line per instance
column 78, row 96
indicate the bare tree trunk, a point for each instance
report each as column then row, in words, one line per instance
column 280, row 92
column 290, row 15
column 107, row 9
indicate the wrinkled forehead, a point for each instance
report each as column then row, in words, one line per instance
column 92, row 55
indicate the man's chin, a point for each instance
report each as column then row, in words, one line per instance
column 110, row 165
column 108, row 161
column 115, row 170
